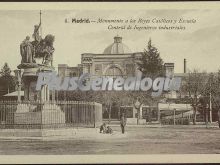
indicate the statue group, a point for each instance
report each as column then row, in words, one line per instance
column 39, row 48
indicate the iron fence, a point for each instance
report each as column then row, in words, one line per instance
column 177, row 120
column 36, row 114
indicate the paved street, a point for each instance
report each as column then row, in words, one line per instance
column 137, row 140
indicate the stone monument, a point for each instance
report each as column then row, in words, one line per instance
column 37, row 107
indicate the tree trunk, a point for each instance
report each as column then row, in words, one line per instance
column 206, row 117
column 218, row 118
column 194, row 115
column 150, row 115
column 109, row 114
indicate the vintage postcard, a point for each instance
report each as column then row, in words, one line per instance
column 109, row 82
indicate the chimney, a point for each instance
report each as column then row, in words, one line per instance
column 184, row 65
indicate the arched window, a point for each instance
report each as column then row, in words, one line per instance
column 114, row 72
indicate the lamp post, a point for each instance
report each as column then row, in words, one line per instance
column 206, row 115
column 210, row 98
column 18, row 76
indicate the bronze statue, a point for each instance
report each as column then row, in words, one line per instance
column 45, row 49
column 39, row 48
column 36, row 34
column 27, row 51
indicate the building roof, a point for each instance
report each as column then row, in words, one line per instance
column 117, row 47
column 171, row 107
column 15, row 94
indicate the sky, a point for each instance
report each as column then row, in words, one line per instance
column 199, row 43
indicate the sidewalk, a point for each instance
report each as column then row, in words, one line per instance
column 84, row 133
column 213, row 125
column 57, row 134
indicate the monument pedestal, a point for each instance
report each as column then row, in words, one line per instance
column 37, row 110
column 49, row 116
column 52, row 116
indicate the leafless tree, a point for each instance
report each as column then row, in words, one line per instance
column 195, row 85
column 214, row 89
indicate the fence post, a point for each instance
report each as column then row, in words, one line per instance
column 94, row 114
column 41, row 114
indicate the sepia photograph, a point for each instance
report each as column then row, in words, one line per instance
column 88, row 81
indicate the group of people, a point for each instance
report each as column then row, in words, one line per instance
column 108, row 130
column 105, row 130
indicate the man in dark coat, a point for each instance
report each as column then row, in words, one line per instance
column 123, row 123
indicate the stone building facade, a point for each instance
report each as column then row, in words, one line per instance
column 116, row 60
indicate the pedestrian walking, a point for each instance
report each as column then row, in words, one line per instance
column 123, row 122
